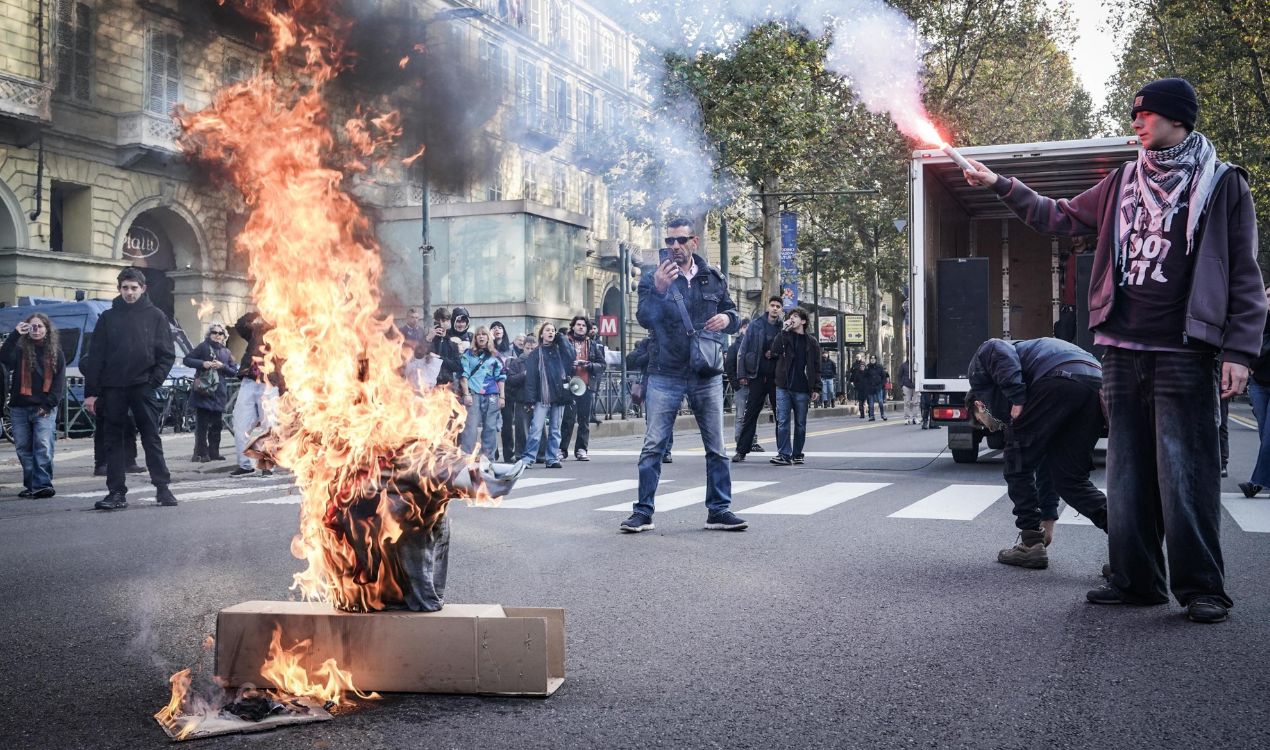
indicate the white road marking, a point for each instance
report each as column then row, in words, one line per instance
column 1070, row 516
column 1252, row 514
column 814, row 501
column 259, row 484
column 569, row 495
column 698, row 453
column 957, row 502
column 685, row 498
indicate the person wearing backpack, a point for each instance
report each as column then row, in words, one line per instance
column 208, row 395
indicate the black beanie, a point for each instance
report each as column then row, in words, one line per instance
column 1173, row 98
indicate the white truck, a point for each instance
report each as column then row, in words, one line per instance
column 978, row 272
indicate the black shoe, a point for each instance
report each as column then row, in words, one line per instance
column 725, row 521
column 668, row 459
column 798, row 460
column 100, row 471
column 165, row 497
column 113, row 501
column 738, row 458
column 43, row 492
column 780, row 461
column 197, row 459
column 135, row 469
column 266, row 473
column 756, row 448
column 883, row 419
column 1205, row 609
column 636, row 523
column 216, row 457
column 1105, row 594
column 554, row 465
column 581, row 456
column 871, row 419
column 1249, row 489
column 241, row 472
column 26, row 494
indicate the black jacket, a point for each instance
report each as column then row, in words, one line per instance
column 750, row 360
column 1261, row 365
column 210, row 351
column 131, row 345
column 730, row 358
column 640, row 356
column 11, row 358
column 783, row 352
column 517, row 374
column 705, row 296
column 828, row 369
column 556, row 360
column 875, row 377
column 1001, row 371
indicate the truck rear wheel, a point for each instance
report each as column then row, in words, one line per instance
column 965, row 455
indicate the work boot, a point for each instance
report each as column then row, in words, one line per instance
column 1028, row 553
column 165, row 497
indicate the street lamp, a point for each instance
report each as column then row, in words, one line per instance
column 425, row 247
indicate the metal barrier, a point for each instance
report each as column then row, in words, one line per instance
column 612, row 396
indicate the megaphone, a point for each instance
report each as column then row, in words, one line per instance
column 576, row 385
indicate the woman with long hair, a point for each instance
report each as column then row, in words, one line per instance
column 482, row 387
column 546, row 372
column 33, row 354
column 211, row 356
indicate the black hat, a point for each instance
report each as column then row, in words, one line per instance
column 1173, row 98
column 460, row 312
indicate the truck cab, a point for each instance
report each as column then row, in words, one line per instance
column 979, row 273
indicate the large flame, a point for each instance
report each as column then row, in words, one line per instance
column 282, row 668
column 348, row 421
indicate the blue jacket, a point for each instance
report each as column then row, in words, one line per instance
column 705, row 296
column 1001, row 371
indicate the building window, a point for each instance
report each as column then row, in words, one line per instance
column 558, row 101
column 586, row 110
column 72, row 39
column 70, row 218
column 558, row 26
column 588, row 198
column 531, row 181
column 494, row 190
column 615, row 221
column 527, row 87
column 582, row 40
column 236, row 70
column 494, row 60
column 559, row 188
column 536, row 13
column 608, row 51
column 163, row 71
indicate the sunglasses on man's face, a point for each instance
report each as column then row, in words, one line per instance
column 680, row 240
column 219, row 333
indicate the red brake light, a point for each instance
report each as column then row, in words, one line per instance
column 948, row 413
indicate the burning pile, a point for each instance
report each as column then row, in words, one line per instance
column 373, row 461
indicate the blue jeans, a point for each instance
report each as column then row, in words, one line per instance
column 826, row 391
column 33, row 436
column 1163, row 475
column 876, row 397
column 787, row 401
column 662, row 396
column 1260, row 395
column 485, row 417
column 739, row 396
column 541, row 414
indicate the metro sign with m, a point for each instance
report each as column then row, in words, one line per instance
column 608, row 325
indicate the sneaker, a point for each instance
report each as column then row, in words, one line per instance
column 756, row 448
column 26, row 494
column 1249, row 489
column 113, row 501
column 554, row 465
column 43, row 492
column 725, row 521
column 1025, row 556
column 581, row 456
column 883, row 419
column 242, row 472
column 798, row 460
column 1205, row 609
column 636, row 523
column 668, row 459
column 780, row 461
column 871, row 419
column 1047, row 528
column 738, row 458
column 165, row 497
column 266, row 473
column 135, row 469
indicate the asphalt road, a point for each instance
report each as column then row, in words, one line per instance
column 831, row 622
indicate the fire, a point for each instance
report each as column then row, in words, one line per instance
column 204, row 310
column 172, row 716
column 283, row 669
column 347, row 422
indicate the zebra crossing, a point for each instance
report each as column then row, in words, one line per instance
column 952, row 503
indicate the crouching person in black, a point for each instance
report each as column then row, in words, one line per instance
column 1045, row 394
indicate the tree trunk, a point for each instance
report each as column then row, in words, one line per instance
column 899, row 345
column 875, row 301
column 771, row 237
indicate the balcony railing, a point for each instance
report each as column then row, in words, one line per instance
column 540, row 128
column 25, row 99
column 148, row 130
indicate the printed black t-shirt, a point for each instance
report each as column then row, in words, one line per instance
column 798, row 367
column 1152, row 286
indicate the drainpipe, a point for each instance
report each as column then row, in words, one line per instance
column 39, row 168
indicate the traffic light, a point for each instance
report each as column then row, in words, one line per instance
column 630, row 268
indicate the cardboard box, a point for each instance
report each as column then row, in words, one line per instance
column 464, row 648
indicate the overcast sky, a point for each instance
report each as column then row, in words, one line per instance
column 1092, row 57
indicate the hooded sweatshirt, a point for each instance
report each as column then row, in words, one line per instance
column 131, row 345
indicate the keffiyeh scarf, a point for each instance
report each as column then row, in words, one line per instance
column 1157, row 183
